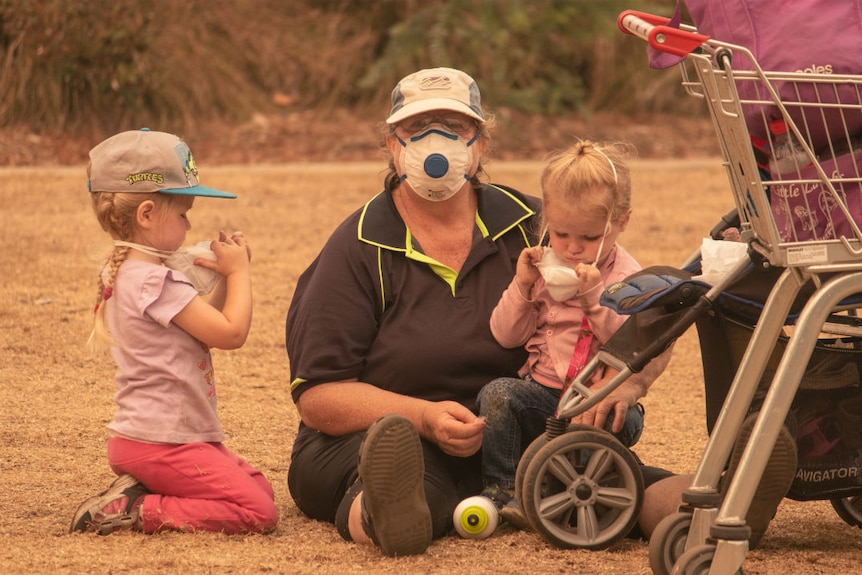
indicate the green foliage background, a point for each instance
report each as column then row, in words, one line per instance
column 102, row 65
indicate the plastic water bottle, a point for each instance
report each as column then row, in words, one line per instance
column 787, row 155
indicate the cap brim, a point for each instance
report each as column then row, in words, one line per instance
column 198, row 191
column 430, row 104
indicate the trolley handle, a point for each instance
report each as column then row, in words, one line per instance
column 655, row 30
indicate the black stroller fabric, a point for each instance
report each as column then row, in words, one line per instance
column 827, row 410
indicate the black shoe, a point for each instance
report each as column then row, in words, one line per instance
column 775, row 482
column 392, row 469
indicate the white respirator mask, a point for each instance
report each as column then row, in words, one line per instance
column 183, row 261
column 560, row 279
column 436, row 163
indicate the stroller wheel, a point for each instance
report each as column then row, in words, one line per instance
column 524, row 463
column 582, row 489
column 849, row 509
column 667, row 542
column 527, row 457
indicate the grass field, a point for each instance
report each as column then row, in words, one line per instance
column 56, row 399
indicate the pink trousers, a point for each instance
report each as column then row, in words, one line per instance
column 196, row 487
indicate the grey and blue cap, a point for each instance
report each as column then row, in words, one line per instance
column 436, row 89
column 143, row 161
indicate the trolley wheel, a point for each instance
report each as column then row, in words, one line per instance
column 667, row 543
column 697, row 561
column 582, row 489
column 849, row 509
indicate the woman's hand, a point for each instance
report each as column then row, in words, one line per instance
column 456, row 429
column 618, row 401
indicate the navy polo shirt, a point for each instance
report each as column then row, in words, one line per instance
column 373, row 308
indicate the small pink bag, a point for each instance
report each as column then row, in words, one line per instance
column 809, row 211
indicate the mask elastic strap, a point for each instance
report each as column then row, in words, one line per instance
column 608, row 222
column 613, row 167
column 444, row 133
column 144, row 249
column 595, row 264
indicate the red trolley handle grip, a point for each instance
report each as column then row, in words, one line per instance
column 654, row 29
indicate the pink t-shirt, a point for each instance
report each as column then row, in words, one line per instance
column 165, row 380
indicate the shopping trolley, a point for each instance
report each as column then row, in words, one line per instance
column 805, row 222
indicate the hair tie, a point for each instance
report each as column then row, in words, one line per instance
column 106, row 295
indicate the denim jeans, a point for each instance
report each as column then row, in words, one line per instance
column 515, row 412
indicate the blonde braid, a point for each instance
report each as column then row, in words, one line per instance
column 116, row 214
column 101, row 334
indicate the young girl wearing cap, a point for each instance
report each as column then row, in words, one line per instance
column 551, row 308
column 165, row 441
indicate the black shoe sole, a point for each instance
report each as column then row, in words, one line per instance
column 392, row 469
column 775, row 482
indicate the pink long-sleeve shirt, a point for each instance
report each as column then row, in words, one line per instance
column 549, row 329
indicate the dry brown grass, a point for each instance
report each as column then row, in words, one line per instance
column 56, row 400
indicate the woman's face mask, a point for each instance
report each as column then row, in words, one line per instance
column 183, row 260
column 436, row 163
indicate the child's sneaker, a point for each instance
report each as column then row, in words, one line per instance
column 498, row 496
column 117, row 508
column 775, row 482
column 507, row 506
column 392, row 468
column 511, row 514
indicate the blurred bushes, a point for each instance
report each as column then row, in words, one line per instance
column 103, row 65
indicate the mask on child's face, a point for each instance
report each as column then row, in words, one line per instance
column 436, row 163
column 560, row 279
column 183, row 260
